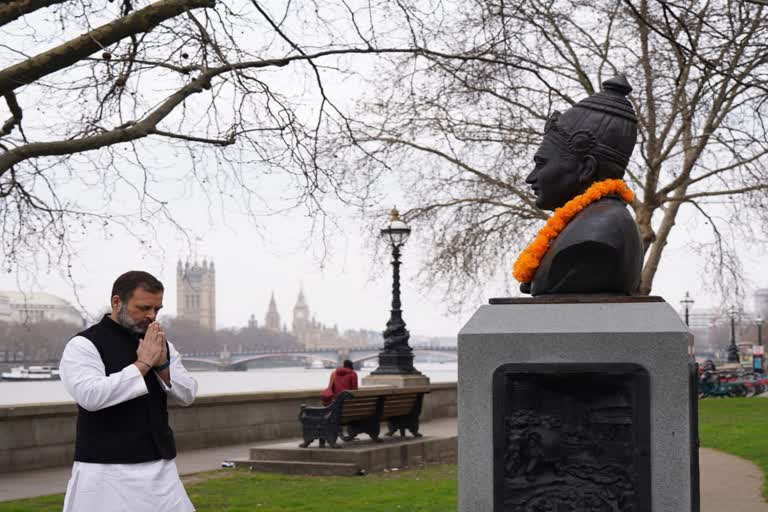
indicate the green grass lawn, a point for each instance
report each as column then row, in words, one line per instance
column 738, row 426
column 432, row 489
column 734, row 425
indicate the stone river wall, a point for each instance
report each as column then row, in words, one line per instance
column 40, row 436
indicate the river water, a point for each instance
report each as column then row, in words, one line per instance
column 214, row 383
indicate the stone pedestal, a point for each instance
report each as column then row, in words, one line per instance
column 579, row 402
column 397, row 381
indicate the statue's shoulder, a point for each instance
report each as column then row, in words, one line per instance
column 599, row 251
column 606, row 221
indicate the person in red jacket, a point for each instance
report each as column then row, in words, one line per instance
column 342, row 379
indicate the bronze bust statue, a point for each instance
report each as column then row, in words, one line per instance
column 599, row 251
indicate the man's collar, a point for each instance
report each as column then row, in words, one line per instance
column 111, row 324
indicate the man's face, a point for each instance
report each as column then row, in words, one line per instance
column 555, row 177
column 139, row 310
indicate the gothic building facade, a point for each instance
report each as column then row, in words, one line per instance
column 272, row 318
column 300, row 316
column 196, row 292
column 305, row 327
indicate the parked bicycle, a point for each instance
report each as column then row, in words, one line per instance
column 716, row 384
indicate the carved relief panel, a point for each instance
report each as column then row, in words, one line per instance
column 571, row 438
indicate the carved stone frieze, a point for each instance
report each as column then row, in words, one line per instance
column 571, row 438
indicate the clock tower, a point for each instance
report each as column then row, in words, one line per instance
column 301, row 317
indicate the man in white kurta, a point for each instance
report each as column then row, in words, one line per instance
column 145, row 486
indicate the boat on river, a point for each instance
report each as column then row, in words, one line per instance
column 32, row 373
column 314, row 364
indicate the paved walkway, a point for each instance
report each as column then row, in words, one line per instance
column 728, row 483
column 40, row 482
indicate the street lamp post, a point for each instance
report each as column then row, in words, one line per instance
column 396, row 358
column 733, row 351
column 760, row 330
column 687, row 304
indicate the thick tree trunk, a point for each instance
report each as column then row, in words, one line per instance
column 653, row 255
column 643, row 217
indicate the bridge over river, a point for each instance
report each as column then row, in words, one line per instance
column 226, row 360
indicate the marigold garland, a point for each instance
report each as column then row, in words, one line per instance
column 529, row 260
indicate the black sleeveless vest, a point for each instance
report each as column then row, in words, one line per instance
column 129, row 432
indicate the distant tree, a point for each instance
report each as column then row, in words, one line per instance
column 45, row 341
column 39, row 341
column 462, row 132
column 189, row 337
column 259, row 338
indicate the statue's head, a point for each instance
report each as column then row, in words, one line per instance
column 591, row 141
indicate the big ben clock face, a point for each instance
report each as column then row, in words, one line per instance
column 300, row 315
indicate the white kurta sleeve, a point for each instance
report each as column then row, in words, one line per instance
column 84, row 377
column 183, row 386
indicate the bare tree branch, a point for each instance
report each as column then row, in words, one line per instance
column 214, row 142
column 523, row 196
column 16, row 115
column 74, row 50
column 716, row 193
column 700, row 78
column 124, row 133
column 14, row 9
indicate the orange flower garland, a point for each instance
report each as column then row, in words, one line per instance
column 529, row 260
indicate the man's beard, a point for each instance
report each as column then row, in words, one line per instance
column 129, row 323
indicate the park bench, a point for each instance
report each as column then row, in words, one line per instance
column 363, row 411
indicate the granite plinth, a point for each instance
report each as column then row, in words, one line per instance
column 437, row 446
column 647, row 335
